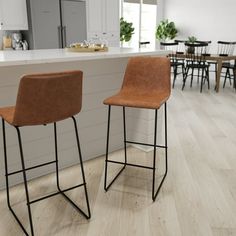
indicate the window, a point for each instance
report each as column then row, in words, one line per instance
column 143, row 15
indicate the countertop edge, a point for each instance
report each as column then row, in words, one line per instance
column 17, row 58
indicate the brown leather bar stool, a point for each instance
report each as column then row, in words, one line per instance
column 44, row 99
column 146, row 84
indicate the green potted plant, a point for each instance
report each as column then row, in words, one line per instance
column 166, row 30
column 126, row 30
column 192, row 40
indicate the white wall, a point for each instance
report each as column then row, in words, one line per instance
column 206, row 19
column 160, row 9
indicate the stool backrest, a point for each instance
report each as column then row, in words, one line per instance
column 145, row 75
column 47, row 98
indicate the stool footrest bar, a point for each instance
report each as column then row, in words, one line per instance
column 30, row 168
column 130, row 164
column 154, row 145
column 146, row 144
column 56, row 193
column 59, row 192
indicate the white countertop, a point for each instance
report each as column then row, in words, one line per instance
column 12, row 58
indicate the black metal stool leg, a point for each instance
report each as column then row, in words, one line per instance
column 7, row 181
column 154, row 194
column 6, row 163
column 82, row 167
column 25, row 180
column 154, row 156
column 87, row 216
column 107, row 149
column 124, row 122
column 56, row 157
column 166, row 142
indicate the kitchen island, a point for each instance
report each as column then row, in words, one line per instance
column 103, row 75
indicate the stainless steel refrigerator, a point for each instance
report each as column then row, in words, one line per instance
column 55, row 23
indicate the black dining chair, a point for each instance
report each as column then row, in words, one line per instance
column 207, row 47
column 207, row 53
column 228, row 75
column 176, row 62
column 195, row 56
column 181, row 46
column 224, row 48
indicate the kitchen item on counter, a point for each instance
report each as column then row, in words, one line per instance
column 17, row 41
column 102, row 42
column 87, row 47
column 19, row 46
column 7, row 43
column 98, row 49
column 25, row 45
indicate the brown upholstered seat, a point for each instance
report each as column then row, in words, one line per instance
column 146, row 83
column 45, row 98
column 7, row 113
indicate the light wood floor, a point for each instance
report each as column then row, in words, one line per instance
column 197, row 198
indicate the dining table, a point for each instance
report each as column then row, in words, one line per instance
column 219, row 59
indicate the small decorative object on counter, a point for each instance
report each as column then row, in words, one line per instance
column 17, row 41
column 7, row 43
column 25, row 45
column 91, row 46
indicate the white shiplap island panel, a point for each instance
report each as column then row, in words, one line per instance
column 103, row 75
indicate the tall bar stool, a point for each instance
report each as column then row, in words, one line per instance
column 147, row 85
column 44, row 99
